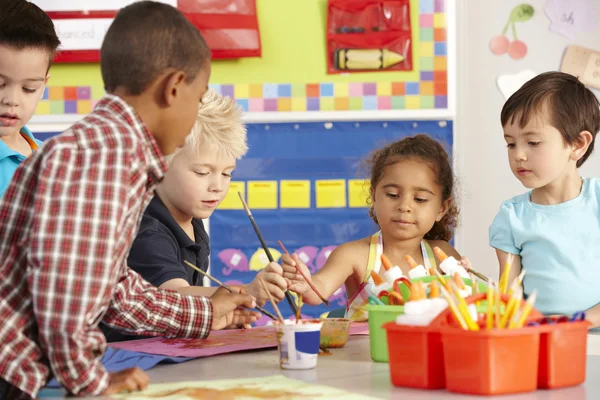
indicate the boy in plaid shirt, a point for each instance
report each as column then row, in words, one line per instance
column 69, row 217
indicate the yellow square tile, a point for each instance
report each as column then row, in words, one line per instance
column 413, row 102
column 284, row 104
column 232, row 200
column 298, row 103
column 358, row 192
column 327, row 104
column 43, row 108
column 331, row 193
column 242, row 91
column 384, row 88
column 340, row 90
column 440, row 63
column 426, row 49
column 439, row 20
column 84, row 106
column 262, row 194
column 256, row 91
column 295, row 194
column 56, row 93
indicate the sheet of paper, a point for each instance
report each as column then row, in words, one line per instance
column 568, row 17
column 358, row 192
column 295, row 194
column 219, row 342
column 331, row 193
column 270, row 387
column 262, row 194
column 232, row 200
column 510, row 83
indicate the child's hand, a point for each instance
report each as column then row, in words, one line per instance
column 272, row 276
column 465, row 263
column 297, row 282
column 227, row 309
column 128, row 380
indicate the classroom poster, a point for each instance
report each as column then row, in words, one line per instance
column 305, row 184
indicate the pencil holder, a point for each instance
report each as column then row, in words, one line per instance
column 489, row 362
column 563, row 354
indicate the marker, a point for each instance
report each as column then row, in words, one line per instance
column 392, row 273
column 373, row 59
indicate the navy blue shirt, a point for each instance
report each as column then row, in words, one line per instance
column 159, row 251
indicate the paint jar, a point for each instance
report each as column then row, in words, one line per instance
column 298, row 344
column 334, row 333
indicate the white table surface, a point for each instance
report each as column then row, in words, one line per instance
column 352, row 369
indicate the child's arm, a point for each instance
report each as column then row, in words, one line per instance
column 75, row 259
column 331, row 277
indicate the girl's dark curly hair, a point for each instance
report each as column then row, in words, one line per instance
column 428, row 150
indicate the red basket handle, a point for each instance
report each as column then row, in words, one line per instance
column 443, row 318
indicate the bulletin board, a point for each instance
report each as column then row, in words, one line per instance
column 291, row 76
column 305, row 184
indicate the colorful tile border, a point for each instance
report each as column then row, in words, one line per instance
column 429, row 92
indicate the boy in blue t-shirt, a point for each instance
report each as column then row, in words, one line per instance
column 27, row 45
column 550, row 126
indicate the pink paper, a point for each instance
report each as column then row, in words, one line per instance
column 359, row 328
column 219, row 342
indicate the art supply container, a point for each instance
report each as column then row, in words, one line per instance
column 490, row 362
column 334, row 333
column 415, row 356
column 378, row 316
column 563, row 354
column 298, row 344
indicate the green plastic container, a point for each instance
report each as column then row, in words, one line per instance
column 379, row 315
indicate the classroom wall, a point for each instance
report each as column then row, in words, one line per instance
column 484, row 176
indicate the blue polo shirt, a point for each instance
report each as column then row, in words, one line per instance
column 159, row 253
column 10, row 160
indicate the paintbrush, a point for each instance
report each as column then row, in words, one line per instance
column 288, row 295
column 323, row 299
column 478, row 274
column 224, row 286
column 272, row 301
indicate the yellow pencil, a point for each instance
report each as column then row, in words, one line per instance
column 527, row 309
column 517, row 282
column 510, row 308
column 462, row 307
column 503, row 285
column 490, row 305
column 454, row 308
column 497, row 305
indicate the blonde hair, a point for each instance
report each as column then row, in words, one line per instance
column 218, row 123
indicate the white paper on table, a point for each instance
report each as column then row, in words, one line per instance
column 571, row 16
column 89, row 5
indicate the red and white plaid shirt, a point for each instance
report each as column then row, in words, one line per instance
column 67, row 222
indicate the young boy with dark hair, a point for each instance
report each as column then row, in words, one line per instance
column 28, row 42
column 71, row 213
column 553, row 231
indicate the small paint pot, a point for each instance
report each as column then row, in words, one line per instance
column 298, row 344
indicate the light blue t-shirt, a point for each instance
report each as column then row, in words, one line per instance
column 559, row 247
column 10, row 160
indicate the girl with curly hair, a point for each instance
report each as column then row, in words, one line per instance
column 411, row 199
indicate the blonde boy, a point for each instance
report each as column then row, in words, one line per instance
column 197, row 180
